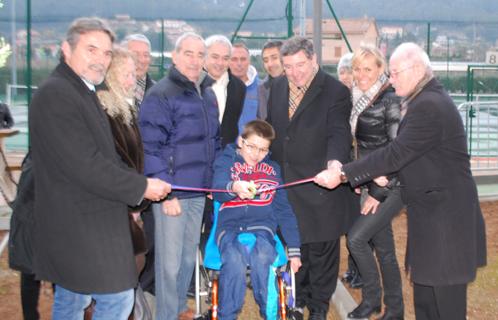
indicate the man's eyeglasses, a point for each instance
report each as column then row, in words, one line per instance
column 395, row 73
column 252, row 148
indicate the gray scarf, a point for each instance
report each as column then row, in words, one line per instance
column 362, row 100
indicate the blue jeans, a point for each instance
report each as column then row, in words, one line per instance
column 69, row 305
column 376, row 228
column 235, row 257
column 176, row 240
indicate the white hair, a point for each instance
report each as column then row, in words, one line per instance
column 185, row 36
column 136, row 37
column 413, row 53
column 218, row 38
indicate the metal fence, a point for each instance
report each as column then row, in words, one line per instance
column 481, row 126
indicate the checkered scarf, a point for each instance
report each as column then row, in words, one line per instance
column 296, row 94
column 362, row 100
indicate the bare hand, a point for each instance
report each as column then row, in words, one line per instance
column 172, row 207
column 295, row 264
column 381, row 181
column 370, row 205
column 244, row 189
column 329, row 178
column 156, row 189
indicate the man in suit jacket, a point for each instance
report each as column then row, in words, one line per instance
column 230, row 91
column 446, row 234
column 82, row 188
column 309, row 110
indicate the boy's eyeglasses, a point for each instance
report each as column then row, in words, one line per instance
column 252, row 148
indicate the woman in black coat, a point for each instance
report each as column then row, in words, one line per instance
column 116, row 96
column 374, row 123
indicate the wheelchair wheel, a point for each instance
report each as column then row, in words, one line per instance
column 282, row 298
column 214, row 300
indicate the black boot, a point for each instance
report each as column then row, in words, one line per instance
column 364, row 310
column 318, row 315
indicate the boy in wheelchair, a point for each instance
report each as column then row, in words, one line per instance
column 247, row 221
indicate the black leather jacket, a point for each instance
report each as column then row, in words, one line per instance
column 377, row 126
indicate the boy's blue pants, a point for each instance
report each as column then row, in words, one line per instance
column 235, row 258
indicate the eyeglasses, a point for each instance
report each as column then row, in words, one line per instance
column 252, row 148
column 394, row 74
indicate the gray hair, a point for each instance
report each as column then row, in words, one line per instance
column 84, row 25
column 241, row 45
column 136, row 37
column 412, row 52
column 346, row 62
column 296, row 44
column 185, row 36
column 218, row 38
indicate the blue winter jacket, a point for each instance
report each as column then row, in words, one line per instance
column 180, row 132
column 265, row 212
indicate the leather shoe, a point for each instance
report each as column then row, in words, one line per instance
column 296, row 314
column 391, row 316
column 356, row 282
column 318, row 315
column 364, row 310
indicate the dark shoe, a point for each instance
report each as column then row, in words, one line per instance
column 356, row 282
column 391, row 316
column 318, row 315
column 296, row 314
column 364, row 310
column 348, row 276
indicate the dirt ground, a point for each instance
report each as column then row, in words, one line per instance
column 482, row 294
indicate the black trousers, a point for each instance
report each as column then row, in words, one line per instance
column 316, row 280
column 147, row 277
column 440, row 302
column 30, row 292
column 375, row 229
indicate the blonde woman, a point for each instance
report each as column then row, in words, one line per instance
column 374, row 123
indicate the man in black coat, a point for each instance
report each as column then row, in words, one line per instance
column 230, row 91
column 82, row 188
column 446, row 233
column 310, row 111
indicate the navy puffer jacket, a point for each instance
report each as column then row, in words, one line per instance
column 180, row 132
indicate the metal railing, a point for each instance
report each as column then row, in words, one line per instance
column 481, row 126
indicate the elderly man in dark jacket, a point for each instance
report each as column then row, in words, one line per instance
column 180, row 133
column 310, row 113
column 446, row 233
column 82, row 240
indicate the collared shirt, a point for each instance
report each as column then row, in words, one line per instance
column 220, row 90
column 296, row 94
column 90, row 86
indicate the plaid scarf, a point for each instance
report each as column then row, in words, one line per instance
column 140, row 90
column 296, row 94
column 362, row 100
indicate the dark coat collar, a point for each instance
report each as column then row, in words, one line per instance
column 65, row 70
column 178, row 78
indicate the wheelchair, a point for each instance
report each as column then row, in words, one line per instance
column 206, row 278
